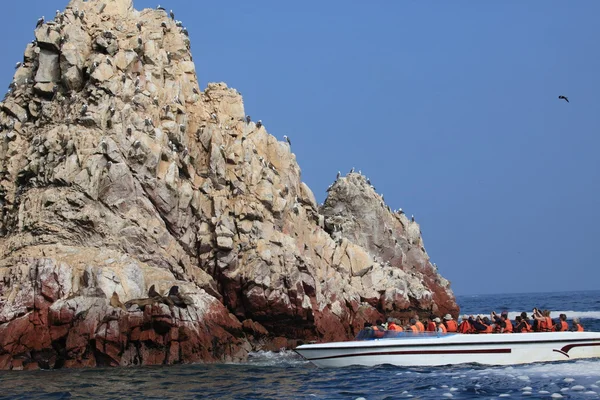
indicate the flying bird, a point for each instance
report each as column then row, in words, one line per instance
column 563, row 98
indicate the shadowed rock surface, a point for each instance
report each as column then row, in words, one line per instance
column 118, row 173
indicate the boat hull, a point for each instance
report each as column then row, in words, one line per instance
column 423, row 350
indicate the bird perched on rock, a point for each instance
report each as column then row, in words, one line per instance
column 563, row 98
column 248, row 119
column 84, row 109
column 116, row 303
column 287, row 139
column 139, row 26
column 159, row 7
column 172, row 14
column 259, row 124
column 152, row 292
column 412, row 218
column 18, row 65
column 338, row 175
column 40, row 22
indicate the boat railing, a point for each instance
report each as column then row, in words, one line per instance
column 371, row 334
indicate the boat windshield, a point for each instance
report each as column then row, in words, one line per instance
column 370, row 334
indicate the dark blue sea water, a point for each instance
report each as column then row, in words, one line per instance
column 286, row 376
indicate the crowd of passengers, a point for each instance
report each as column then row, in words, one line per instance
column 540, row 321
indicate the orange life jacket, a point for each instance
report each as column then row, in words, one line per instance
column 451, row 325
column 443, row 328
column 465, row 327
column 488, row 329
column 414, row 329
column 545, row 325
column 378, row 332
column 561, row 326
column 579, row 328
column 430, row 326
column 509, row 326
column 420, row 326
column 526, row 328
column 393, row 327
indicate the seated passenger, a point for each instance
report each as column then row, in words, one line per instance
column 481, row 324
column 561, row 325
column 465, row 326
column 412, row 328
column 576, row 325
column 430, row 325
column 503, row 324
column 419, row 324
column 439, row 326
column 379, row 329
column 394, row 325
column 544, row 322
column 450, row 323
column 524, row 324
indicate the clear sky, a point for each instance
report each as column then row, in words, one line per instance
column 450, row 108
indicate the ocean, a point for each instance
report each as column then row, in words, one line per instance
column 287, row 376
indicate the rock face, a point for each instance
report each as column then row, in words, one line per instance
column 120, row 179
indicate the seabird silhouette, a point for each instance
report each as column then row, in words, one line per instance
column 563, row 98
column 172, row 14
column 259, row 124
column 248, row 119
column 40, row 22
column 287, row 139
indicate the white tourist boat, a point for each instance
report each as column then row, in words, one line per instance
column 431, row 349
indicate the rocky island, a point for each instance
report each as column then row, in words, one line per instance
column 145, row 221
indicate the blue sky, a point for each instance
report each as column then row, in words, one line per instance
column 450, row 108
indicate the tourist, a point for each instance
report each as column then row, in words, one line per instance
column 430, row 325
column 393, row 325
column 502, row 323
column 481, row 324
column 450, row 323
column 544, row 322
column 522, row 325
column 419, row 324
column 576, row 325
column 561, row 325
column 412, row 328
column 439, row 326
column 465, row 326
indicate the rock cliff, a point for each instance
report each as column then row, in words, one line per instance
column 145, row 221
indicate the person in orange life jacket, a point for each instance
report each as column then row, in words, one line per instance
column 439, row 327
column 522, row 324
column 430, row 325
column 379, row 329
column 541, row 321
column 393, row 325
column 412, row 328
column 576, row 325
column 450, row 323
column 419, row 324
column 465, row 326
column 502, row 322
column 481, row 324
column 561, row 325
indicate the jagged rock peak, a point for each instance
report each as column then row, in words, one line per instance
column 107, row 7
column 117, row 174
